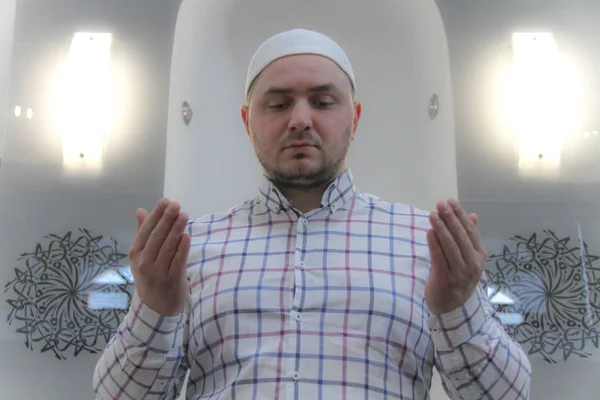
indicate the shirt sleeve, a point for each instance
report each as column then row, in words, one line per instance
column 475, row 356
column 145, row 358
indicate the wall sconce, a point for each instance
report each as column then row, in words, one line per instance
column 546, row 102
column 84, row 100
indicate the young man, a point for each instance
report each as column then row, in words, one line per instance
column 312, row 289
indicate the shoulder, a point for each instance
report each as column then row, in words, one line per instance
column 224, row 220
column 405, row 223
column 402, row 213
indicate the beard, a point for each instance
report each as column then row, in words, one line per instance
column 300, row 176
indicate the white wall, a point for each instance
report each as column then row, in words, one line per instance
column 7, row 23
column 577, row 377
column 479, row 38
column 400, row 59
column 37, row 199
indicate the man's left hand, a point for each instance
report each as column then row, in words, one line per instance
column 457, row 257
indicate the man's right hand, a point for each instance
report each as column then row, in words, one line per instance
column 158, row 258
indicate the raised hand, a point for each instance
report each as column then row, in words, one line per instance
column 158, row 258
column 457, row 257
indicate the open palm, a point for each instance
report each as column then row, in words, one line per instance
column 457, row 257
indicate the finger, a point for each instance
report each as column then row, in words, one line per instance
column 480, row 245
column 438, row 259
column 169, row 246
column 141, row 215
column 457, row 230
column 448, row 245
column 160, row 232
column 474, row 218
column 468, row 225
column 179, row 262
column 142, row 235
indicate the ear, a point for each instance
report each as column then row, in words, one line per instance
column 245, row 114
column 357, row 112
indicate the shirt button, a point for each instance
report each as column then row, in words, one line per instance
column 304, row 221
column 333, row 207
column 295, row 376
column 298, row 316
column 301, row 264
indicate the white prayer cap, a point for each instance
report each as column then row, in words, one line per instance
column 297, row 41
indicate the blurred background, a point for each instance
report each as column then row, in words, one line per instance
column 105, row 106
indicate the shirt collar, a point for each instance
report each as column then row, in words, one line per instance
column 338, row 193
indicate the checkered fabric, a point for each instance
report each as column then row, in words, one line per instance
column 323, row 305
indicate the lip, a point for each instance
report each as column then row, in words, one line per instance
column 300, row 146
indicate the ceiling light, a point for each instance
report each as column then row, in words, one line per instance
column 501, row 298
column 109, row 277
column 111, row 300
column 84, row 100
column 511, row 318
column 545, row 102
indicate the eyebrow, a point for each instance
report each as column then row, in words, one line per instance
column 328, row 87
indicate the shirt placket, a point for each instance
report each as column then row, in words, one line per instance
column 293, row 341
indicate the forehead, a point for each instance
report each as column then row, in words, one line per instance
column 302, row 70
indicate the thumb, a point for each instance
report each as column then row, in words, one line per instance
column 141, row 216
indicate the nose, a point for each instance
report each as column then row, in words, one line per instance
column 301, row 117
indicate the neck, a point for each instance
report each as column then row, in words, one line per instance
column 304, row 199
column 308, row 195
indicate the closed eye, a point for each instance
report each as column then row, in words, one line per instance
column 318, row 104
column 324, row 104
column 278, row 107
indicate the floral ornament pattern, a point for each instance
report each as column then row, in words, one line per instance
column 50, row 294
column 555, row 288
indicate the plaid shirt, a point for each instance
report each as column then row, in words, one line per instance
column 323, row 305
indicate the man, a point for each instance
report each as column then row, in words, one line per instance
column 312, row 289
